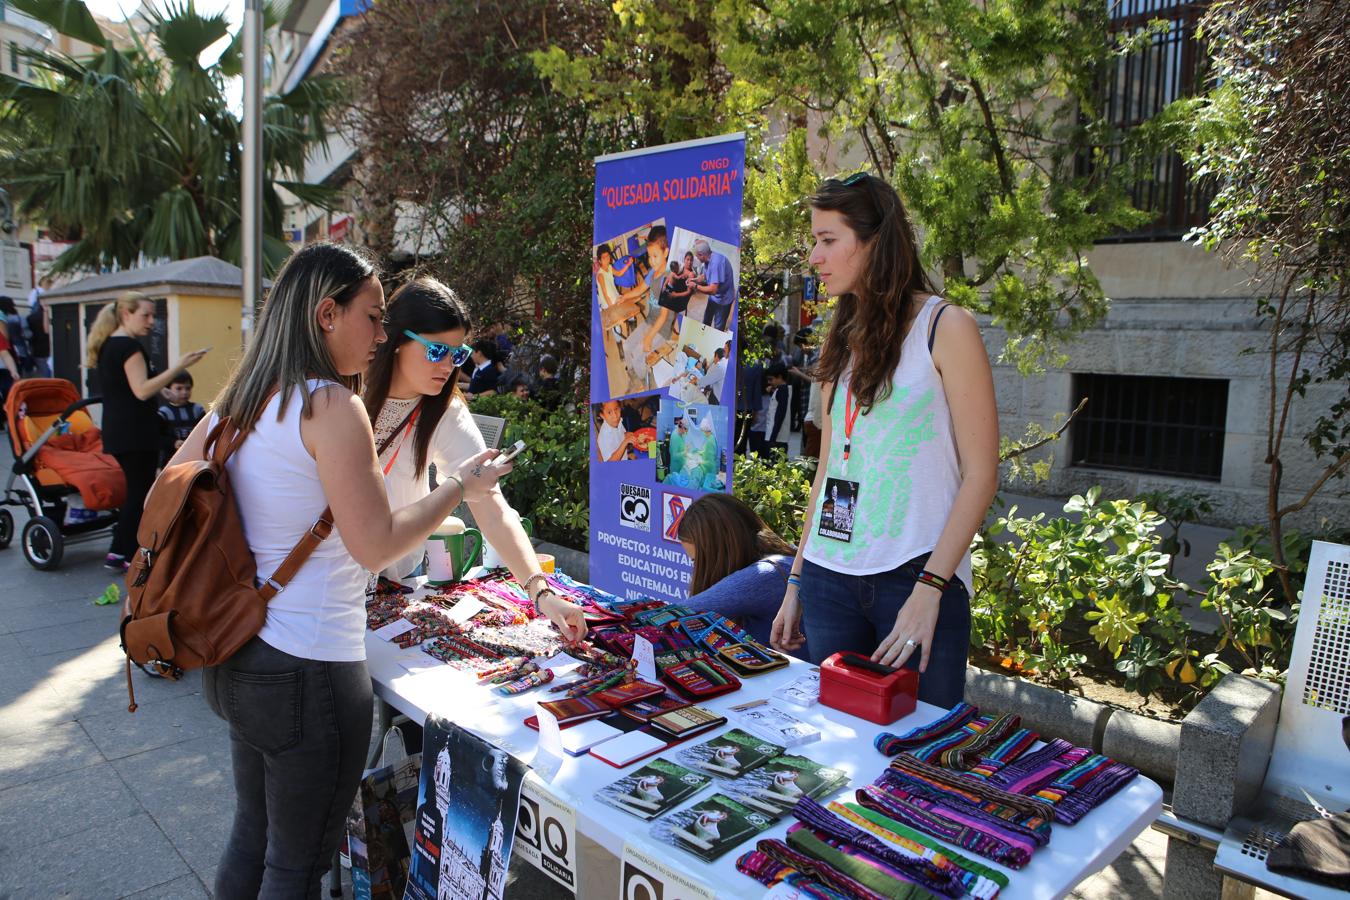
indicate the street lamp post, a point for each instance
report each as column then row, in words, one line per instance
column 251, row 205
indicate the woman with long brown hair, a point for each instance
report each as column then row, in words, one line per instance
column 909, row 453
column 418, row 410
column 740, row 564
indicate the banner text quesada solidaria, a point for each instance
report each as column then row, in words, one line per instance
column 713, row 184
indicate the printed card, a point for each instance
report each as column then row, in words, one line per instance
column 777, row 785
column 710, row 828
column 656, row 788
column 730, row 755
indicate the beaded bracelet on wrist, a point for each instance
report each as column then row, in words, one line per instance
column 934, row 581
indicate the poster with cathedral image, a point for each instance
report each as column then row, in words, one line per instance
column 467, row 803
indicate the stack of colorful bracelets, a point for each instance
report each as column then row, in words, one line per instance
column 971, row 781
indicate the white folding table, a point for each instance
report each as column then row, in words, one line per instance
column 417, row 685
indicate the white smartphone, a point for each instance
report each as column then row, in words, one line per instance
column 511, row 454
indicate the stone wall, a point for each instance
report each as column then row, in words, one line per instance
column 1177, row 311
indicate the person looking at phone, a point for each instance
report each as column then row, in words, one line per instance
column 411, row 397
column 297, row 696
column 131, row 423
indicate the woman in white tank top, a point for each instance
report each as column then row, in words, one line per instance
column 298, row 696
column 909, row 453
column 416, row 407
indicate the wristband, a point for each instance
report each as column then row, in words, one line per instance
column 461, row 486
column 542, row 592
column 934, row 581
column 537, row 576
column 795, row 578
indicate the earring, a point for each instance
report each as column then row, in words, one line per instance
column 330, row 327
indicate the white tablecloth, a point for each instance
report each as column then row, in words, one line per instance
column 417, row 685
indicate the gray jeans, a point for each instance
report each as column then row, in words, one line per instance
column 299, row 732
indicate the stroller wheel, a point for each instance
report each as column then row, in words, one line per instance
column 42, row 543
column 6, row 528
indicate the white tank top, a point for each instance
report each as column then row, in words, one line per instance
column 321, row 614
column 903, row 457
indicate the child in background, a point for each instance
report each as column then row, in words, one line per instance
column 519, row 387
column 549, row 387
column 178, row 413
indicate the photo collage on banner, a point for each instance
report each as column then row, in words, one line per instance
column 666, row 269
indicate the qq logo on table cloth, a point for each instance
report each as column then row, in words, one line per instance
column 638, row 885
column 635, row 507
column 544, row 840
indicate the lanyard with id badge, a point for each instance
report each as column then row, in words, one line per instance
column 840, row 503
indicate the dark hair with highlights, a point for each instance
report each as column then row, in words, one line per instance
column 869, row 323
column 727, row 536
column 422, row 306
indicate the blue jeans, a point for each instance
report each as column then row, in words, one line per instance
column 856, row 612
column 299, row 732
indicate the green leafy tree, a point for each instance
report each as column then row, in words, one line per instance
column 985, row 117
column 1273, row 132
column 136, row 152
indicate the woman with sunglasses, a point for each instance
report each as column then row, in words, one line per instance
column 411, row 394
column 908, row 452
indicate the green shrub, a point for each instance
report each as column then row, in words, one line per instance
column 777, row 488
column 1094, row 589
column 551, row 481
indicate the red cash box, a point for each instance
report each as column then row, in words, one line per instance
column 852, row 683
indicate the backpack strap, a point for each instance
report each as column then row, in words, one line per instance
column 317, row 534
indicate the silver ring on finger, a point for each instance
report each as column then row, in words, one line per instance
column 910, row 642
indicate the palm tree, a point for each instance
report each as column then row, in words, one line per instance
column 131, row 152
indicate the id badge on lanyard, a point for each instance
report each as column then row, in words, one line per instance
column 839, row 503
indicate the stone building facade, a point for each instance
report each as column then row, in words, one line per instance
column 1177, row 313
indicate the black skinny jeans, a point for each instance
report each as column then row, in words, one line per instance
column 139, row 468
column 299, row 732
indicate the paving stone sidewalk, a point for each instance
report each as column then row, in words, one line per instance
column 97, row 803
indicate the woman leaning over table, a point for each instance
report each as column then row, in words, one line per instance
column 909, row 452
column 411, row 394
column 298, row 696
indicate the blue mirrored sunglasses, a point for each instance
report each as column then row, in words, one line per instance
column 436, row 351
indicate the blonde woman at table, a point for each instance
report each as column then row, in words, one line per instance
column 298, row 697
column 411, row 394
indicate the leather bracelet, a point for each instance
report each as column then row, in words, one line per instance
column 932, row 580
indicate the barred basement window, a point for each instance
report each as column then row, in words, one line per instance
column 1143, row 423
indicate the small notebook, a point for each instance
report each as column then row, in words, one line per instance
column 629, row 749
column 575, row 709
column 585, row 735
column 687, row 722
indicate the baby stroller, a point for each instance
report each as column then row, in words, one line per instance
column 61, row 475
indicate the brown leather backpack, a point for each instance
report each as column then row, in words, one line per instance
column 191, row 591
